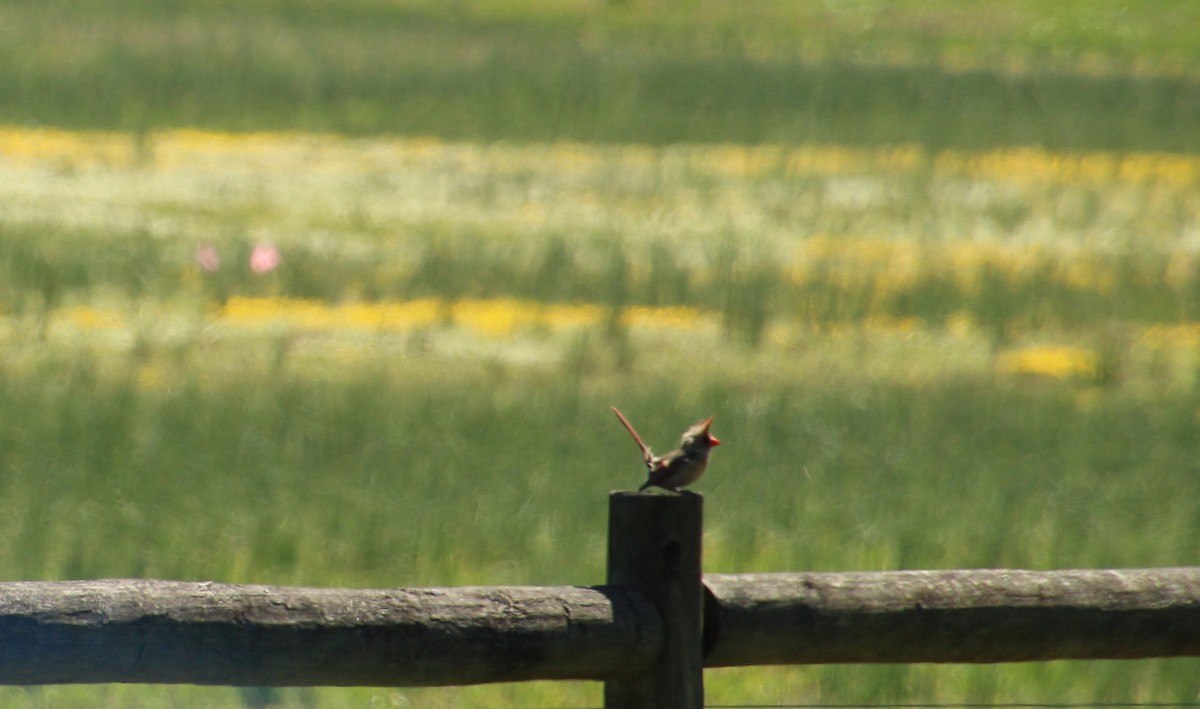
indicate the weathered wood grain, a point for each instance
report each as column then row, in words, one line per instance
column 654, row 547
column 209, row 633
column 971, row 616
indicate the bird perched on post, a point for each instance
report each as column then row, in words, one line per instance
column 682, row 466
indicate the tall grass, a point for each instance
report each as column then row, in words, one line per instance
column 418, row 394
column 648, row 73
column 831, row 282
column 404, row 471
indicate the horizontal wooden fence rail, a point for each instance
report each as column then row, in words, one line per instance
column 985, row 615
column 173, row 632
column 208, row 633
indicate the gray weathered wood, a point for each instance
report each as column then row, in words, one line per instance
column 205, row 633
column 654, row 547
column 208, row 633
column 952, row 616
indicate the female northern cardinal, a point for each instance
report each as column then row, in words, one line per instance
column 682, row 466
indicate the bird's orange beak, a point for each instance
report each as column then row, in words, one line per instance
column 712, row 440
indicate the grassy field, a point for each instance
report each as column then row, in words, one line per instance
column 1109, row 74
column 940, row 295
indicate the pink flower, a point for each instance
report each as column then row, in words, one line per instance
column 208, row 258
column 264, row 258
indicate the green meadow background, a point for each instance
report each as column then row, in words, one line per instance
column 869, row 423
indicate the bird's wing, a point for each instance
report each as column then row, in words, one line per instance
column 646, row 454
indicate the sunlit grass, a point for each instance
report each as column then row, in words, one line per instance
column 870, row 72
column 1037, row 165
column 168, row 149
column 808, row 233
column 357, row 334
column 919, row 360
column 384, row 468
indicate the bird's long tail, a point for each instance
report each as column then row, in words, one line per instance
column 646, row 454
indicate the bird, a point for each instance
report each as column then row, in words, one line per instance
column 682, row 466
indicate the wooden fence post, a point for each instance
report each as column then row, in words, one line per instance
column 654, row 547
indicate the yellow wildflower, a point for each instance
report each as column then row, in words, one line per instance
column 1056, row 362
column 671, row 317
column 89, row 318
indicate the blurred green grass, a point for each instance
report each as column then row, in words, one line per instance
column 45, row 268
column 179, row 453
column 1107, row 75
column 397, row 472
